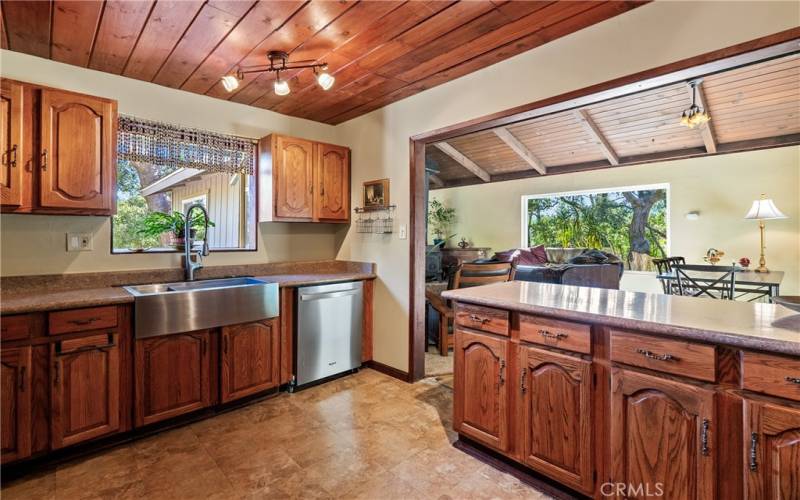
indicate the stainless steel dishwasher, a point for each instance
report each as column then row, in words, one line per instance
column 329, row 328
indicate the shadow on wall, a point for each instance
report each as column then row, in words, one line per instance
column 291, row 241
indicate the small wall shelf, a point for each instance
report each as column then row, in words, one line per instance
column 375, row 220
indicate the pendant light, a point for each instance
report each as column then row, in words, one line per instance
column 281, row 86
column 694, row 115
column 324, row 79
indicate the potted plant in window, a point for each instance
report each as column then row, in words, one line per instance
column 158, row 223
column 440, row 218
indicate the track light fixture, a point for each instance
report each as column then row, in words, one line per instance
column 694, row 115
column 279, row 61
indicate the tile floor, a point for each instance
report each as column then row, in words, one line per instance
column 366, row 436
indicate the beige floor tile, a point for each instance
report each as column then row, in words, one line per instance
column 365, row 436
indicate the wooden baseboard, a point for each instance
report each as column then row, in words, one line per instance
column 388, row 370
column 519, row 471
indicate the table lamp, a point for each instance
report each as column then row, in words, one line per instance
column 762, row 210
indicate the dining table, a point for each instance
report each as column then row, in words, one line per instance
column 750, row 285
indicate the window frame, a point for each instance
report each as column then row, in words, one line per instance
column 616, row 189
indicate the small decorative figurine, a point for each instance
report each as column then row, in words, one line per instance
column 744, row 262
column 713, row 256
column 463, row 243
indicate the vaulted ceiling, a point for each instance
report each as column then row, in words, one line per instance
column 379, row 51
column 751, row 107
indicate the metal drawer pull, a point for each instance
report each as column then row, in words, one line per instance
column 22, row 371
column 10, row 157
column 657, row 357
column 522, row 387
column 44, row 160
column 753, row 447
column 556, row 336
column 502, row 371
column 83, row 322
column 478, row 319
column 793, row 380
column 704, row 437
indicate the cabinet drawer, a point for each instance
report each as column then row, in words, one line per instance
column 771, row 374
column 688, row 359
column 482, row 318
column 78, row 320
column 16, row 327
column 555, row 333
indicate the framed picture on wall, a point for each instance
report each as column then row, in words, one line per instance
column 376, row 194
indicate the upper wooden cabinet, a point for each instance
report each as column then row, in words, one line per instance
column 332, row 178
column 78, row 138
column 303, row 181
column 73, row 162
column 12, row 146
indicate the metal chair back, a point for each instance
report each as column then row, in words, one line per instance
column 664, row 266
column 717, row 282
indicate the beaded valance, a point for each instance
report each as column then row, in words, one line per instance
column 172, row 146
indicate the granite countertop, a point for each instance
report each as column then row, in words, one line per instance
column 750, row 325
column 34, row 296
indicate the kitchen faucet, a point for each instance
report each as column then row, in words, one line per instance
column 194, row 260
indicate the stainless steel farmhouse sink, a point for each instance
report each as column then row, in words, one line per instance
column 166, row 308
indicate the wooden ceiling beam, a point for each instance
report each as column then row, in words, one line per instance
column 463, row 161
column 520, row 149
column 682, row 154
column 706, row 129
column 593, row 130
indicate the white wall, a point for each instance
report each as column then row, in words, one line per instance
column 720, row 188
column 37, row 244
column 650, row 36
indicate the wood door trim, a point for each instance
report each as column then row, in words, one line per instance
column 12, row 195
column 22, row 359
column 747, row 52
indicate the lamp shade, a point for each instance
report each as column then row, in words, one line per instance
column 764, row 209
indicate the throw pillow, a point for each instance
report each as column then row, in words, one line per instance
column 529, row 258
column 540, row 254
column 506, row 256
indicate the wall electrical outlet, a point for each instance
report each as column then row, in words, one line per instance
column 79, row 242
column 403, row 232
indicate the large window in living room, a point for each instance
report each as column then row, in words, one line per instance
column 630, row 222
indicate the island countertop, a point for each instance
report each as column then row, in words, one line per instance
column 750, row 325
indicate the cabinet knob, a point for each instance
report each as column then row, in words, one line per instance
column 793, row 380
column 502, row 371
column 522, row 377
column 44, row 160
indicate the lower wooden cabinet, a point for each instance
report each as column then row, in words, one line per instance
column 481, row 396
column 662, row 436
column 172, row 376
column 556, row 416
column 15, row 403
column 250, row 359
column 85, row 389
column 772, row 451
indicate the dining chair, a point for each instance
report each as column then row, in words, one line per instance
column 467, row 275
column 664, row 266
column 717, row 282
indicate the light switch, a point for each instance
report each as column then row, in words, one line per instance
column 403, row 232
column 79, row 242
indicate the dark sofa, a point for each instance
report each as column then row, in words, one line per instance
column 561, row 270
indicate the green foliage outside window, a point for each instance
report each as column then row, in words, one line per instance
column 629, row 224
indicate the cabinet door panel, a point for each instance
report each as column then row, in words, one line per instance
column 78, row 154
column 11, row 143
column 556, row 416
column 85, row 390
column 480, row 404
column 293, row 180
column 662, row 436
column 772, row 451
column 250, row 359
column 15, row 410
column 172, row 376
column 332, row 174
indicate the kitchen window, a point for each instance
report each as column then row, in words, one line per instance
column 630, row 222
column 163, row 169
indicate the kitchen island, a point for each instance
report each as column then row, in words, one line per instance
column 622, row 393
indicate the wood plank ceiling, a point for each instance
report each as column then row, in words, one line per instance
column 379, row 51
column 751, row 107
